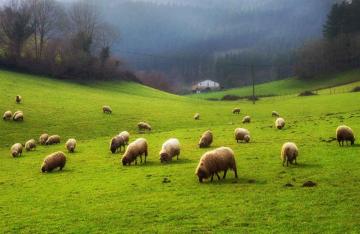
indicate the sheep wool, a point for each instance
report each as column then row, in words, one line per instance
column 236, row 111
column 116, row 143
column 71, row 145
column 170, row 149
column 345, row 133
column 43, row 138
column 279, row 123
column 206, row 139
column 144, row 126
column 7, row 115
column 215, row 161
column 126, row 136
column 289, row 153
column 246, row 119
column 18, row 116
column 135, row 149
column 16, row 150
column 53, row 161
column 30, row 145
column 18, row 99
column 197, row 116
column 52, row 140
column 107, row 109
column 242, row 134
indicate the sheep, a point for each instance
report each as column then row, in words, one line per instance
column 242, row 134
column 197, row 116
column 215, row 161
column 107, row 110
column 279, row 123
column 170, row 149
column 345, row 133
column 30, row 145
column 246, row 119
column 206, row 139
column 144, row 126
column 18, row 116
column 53, row 161
column 43, row 138
column 236, row 111
column 135, row 149
column 71, row 145
column 18, row 99
column 126, row 136
column 16, row 150
column 289, row 153
column 52, row 140
column 275, row 114
column 7, row 115
column 116, row 143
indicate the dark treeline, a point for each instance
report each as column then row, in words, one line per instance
column 339, row 49
column 46, row 37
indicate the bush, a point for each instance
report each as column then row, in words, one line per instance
column 307, row 93
column 230, row 98
column 356, row 89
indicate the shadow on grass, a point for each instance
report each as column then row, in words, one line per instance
column 231, row 180
column 303, row 165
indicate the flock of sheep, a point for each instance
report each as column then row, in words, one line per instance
column 211, row 163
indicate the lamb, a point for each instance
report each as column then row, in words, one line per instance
column 18, row 116
column 279, row 123
column 43, row 138
column 135, row 149
column 116, row 143
column 345, row 133
column 197, row 116
column 289, row 153
column 213, row 162
column 275, row 114
column 242, row 134
column 236, row 111
column 71, row 145
column 144, row 126
column 246, row 119
column 18, row 99
column 53, row 161
column 126, row 136
column 16, row 150
column 30, row 145
column 7, row 115
column 170, row 149
column 107, row 109
column 206, row 139
column 52, row 140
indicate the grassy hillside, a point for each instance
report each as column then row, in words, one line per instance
column 95, row 193
column 287, row 86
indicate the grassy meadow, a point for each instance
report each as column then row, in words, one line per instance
column 95, row 193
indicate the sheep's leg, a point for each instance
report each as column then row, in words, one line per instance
column 287, row 162
column 212, row 177
column 236, row 175
column 140, row 158
column 218, row 176
column 224, row 174
column 145, row 158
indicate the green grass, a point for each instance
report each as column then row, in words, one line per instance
column 95, row 193
column 286, row 87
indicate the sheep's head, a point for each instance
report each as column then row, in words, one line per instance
column 202, row 143
column 247, row 138
column 43, row 168
column 14, row 153
column 113, row 148
column 202, row 173
column 164, row 157
column 124, row 161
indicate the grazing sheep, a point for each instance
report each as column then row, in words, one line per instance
column 30, row 145
column 279, row 123
column 52, row 140
column 170, row 149
column 206, row 139
column 7, row 115
column 43, row 138
column 18, row 116
column 53, row 161
column 345, row 133
column 236, row 111
column 213, row 162
column 144, row 126
column 289, row 153
column 16, row 150
column 246, row 119
column 126, row 136
column 18, row 99
column 134, row 150
column 275, row 114
column 242, row 134
column 71, row 145
column 107, row 109
column 197, row 116
column 116, row 143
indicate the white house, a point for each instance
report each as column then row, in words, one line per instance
column 206, row 85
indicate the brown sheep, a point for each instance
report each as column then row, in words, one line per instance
column 18, row 116
column 170, row 149
column 197, row 116
column 345, row 133
column 107, row 110
column 71, row 145
column 246, row 119
column 7, row 115
column 53, row 161
column 30, row 145
column 275, row 114
column 236, row 111
column 215, row 161
column 16, row 150
column 18, row 99
column 206, row 139
column 144, row 126
column 134, row 150
column 242, row 134
column 52, row 140
column 279, row 123
column 116, row 143
column 126, row 136
column 43, row 138
column 289, row 153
